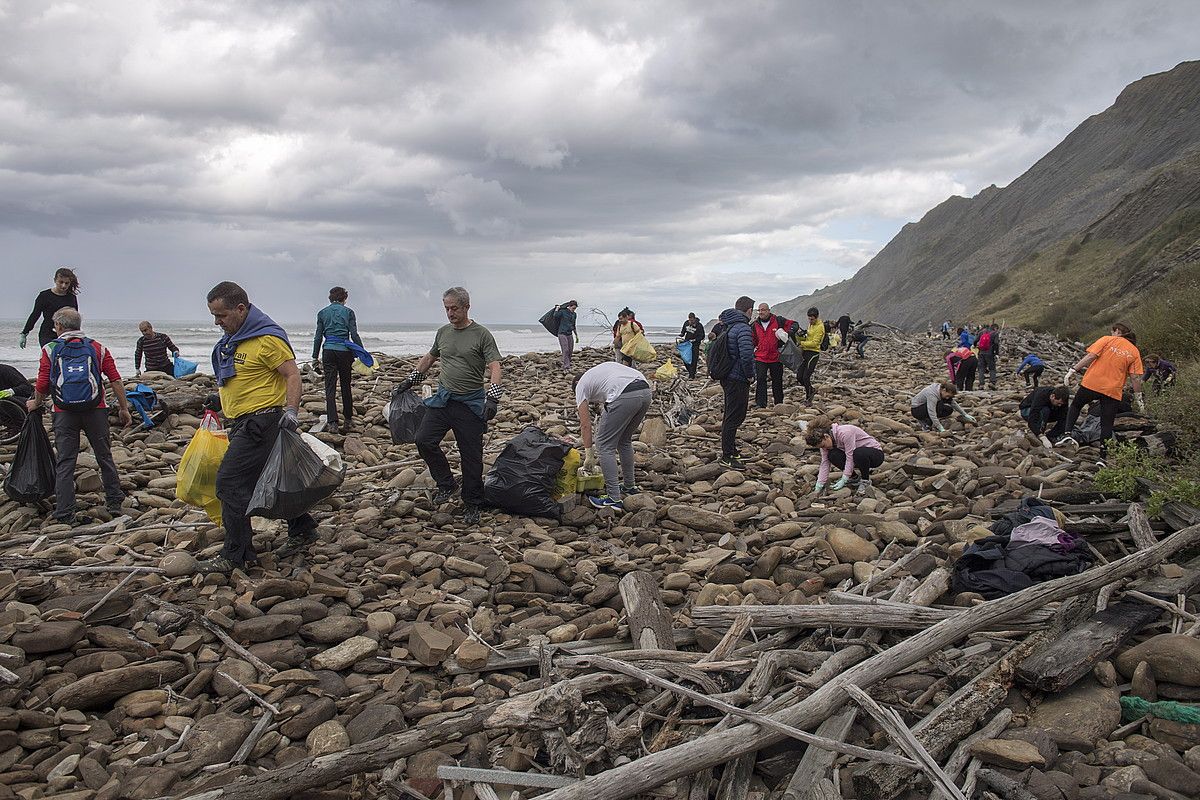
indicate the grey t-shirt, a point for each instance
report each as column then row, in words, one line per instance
column 464, row 355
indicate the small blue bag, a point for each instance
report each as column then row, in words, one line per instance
column 143, row 400
column 685, row 351
column 361, row 353
column 184, row 367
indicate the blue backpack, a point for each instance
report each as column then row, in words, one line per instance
column 75, row 380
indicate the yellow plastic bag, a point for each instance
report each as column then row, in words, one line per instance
column 639, row 348
column 196, row 479
column 362, row 369
column 564, row 482
column 667, row 372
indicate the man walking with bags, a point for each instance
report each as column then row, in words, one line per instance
column 259, row 385
column 72, row 370
column 466, row 350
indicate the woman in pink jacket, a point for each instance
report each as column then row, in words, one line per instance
column 847, row 447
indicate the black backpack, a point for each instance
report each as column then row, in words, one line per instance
column 550, row 322
column 720, row 360
column 825, row 340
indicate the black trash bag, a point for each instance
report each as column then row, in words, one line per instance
column 405, row 413
column 550, row 322
column 790, row 357
column 523, row 476
column 294, row 479
column 31, row 476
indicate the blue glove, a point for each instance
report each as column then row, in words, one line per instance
column 820, row 487
column 290, row 420
column 840, row 483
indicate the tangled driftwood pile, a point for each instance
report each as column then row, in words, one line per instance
column 729, row 635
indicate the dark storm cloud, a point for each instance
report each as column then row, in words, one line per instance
column 674, row 152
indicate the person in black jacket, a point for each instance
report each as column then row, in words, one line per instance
column 843, row 326
column 61, row 295
column 692, row 331
column 1043, row 406
column 11, row 380
column 736, row 384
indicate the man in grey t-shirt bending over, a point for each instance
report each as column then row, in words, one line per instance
column 625, row 396
column 466, row 350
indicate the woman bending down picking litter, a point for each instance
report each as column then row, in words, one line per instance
column 934, row 403
column 849, row 448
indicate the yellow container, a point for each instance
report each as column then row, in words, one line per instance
column 585, row 482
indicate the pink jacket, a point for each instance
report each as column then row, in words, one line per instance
column 846, row 438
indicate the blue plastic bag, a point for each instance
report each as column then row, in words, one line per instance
column 183, row 366
column 361, row 353
column 143, row 400
column 685, row 351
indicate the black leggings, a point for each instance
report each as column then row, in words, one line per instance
column 865, row 460
column 1108, row 411
column 964, row 376
column 337, row 364
column 808, row 367
column 944, row 409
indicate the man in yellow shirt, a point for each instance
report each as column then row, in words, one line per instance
column 260, row 394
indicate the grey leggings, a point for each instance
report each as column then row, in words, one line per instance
column 614, row 435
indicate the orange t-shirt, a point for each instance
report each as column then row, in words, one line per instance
column 1116, row 359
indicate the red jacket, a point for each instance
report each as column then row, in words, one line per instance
column 766, row 343
column 108, row 367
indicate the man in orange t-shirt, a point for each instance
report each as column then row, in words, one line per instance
column 1110, row 362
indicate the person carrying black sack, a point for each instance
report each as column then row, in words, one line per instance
column 692, row 331
column 466, row 350
column 260, row 387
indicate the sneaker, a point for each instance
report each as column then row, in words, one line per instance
column 75, row 520
column 732, row 462
column 219, row 564
column 114, row 507
column 1065, row 441
column 444, row 495
column 864, row 487
column 604, row 501
column 925, row 426
column 631, row 488
column 471, row 515
column 295, row 543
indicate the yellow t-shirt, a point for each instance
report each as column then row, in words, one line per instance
column 256, row 385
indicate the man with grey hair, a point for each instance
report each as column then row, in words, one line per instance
column 467, row 350
column 72, row 369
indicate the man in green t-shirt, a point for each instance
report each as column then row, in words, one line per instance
column 467, row 350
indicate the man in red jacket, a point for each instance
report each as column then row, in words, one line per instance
column 770, row 332
column 92, row 420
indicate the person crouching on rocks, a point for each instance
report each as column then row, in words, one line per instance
column 1043, row 406
column 625, row 395
column 847, row 447
column 934, row 403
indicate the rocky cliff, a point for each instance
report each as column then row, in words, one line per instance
column 1085, row 232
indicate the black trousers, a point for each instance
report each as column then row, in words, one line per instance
column 691, row 367
column 337, row 364
column 761, row 370
column 865, row 460
column 1044, row 416
column 67, row 427
column 987, row 368
column 250, row 442
column 944, row 409
column 468, row 430
column 1034, row 372
column 845, row 332
column 737, row 395
column 808, row 368
column 964, row 376
column 1108, row 411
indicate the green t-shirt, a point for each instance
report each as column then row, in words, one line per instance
column 464, row 355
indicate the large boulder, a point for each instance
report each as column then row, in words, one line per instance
column 1174, row 657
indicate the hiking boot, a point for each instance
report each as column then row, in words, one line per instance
column 295, row 543
column 604, row 501
column 444, row 495
column 114, row 507
column 471, row 515
column 631, row 488
column 75, row 520
column 219, row 564
column 732, row 462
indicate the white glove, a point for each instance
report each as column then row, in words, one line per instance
column 589, row 460
column 1070, row 376
column 781, row 334
column 1046, row 443
column 1139, row 402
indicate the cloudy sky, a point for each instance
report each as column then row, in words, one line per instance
column 666, row 155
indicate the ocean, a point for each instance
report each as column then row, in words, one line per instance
column 195, row 340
